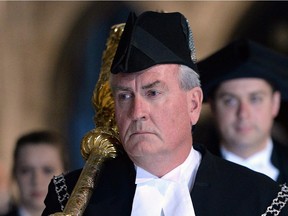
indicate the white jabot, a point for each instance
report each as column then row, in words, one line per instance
column 260, row 162
column 169, row 195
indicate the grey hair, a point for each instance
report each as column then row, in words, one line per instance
column 188, row 78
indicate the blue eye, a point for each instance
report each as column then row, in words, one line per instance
column 124, row 96
column 152, row 93
column 230, row 101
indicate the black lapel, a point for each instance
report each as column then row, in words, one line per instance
column 279, row 159
column 115, row 190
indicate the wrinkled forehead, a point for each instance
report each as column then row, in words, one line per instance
column 161, row 71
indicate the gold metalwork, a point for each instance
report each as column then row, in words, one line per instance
column 102, row 142
column 102, row 97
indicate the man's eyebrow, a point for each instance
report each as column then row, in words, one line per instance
column 150, row 85
column 124, row 88
column 120, row 88
column 222, row 95
column 231, row 94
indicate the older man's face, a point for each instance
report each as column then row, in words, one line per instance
column 245, row 109
column 153, row 114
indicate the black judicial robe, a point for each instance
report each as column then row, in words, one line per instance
column 221, row 188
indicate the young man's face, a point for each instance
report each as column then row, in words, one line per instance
column 153, row 114
column 245, row 109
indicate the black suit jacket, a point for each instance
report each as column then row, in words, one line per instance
column 13, row 212
column 221, row 188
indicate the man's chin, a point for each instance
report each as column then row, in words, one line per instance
column 242, row 143
column 142, row 149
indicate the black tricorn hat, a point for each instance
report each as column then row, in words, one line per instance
column 244, row 58
column 154, row 38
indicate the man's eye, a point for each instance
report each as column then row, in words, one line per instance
column 256, row 99
column 124, row 96
column 230, row 101
column 152, row 93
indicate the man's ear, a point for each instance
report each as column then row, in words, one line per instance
column 195, row 99
column 276, row 102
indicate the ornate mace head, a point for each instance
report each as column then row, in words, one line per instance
column 102, row 99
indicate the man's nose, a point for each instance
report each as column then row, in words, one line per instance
column 243, row 109
column 139, row 109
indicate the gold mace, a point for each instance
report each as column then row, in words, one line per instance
column 102, row 142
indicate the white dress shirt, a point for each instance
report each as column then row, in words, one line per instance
column 22, row 211
column 169, row 195
column 260, row 162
